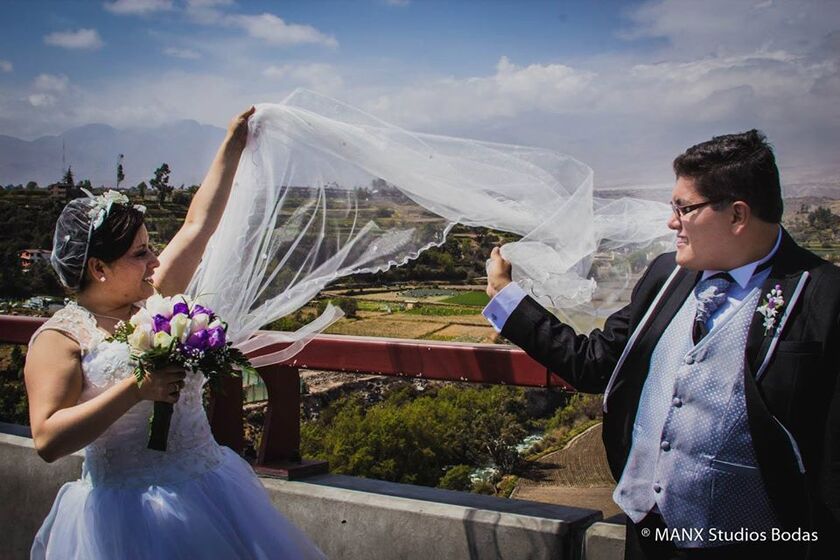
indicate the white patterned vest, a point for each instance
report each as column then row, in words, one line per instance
column 692, row 454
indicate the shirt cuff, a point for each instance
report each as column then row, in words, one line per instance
column 503, row 304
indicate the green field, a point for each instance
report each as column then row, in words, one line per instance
column 478, row 299
column 440, row 310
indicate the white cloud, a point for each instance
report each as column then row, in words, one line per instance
column 208, row 3
column 321, row 77
column 78, row 39
column 273, row 30
column 266, row 27
column 51, row 82
column 6, row 66
column 728, row 27
column 627, row 113
column 41, row 100
column 186, row 54
column 510, row 91
column 137, row 7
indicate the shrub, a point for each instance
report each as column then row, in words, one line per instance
column 457, row 478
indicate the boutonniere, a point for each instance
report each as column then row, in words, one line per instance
column 770, row 307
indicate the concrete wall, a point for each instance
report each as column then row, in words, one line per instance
column 349, row 517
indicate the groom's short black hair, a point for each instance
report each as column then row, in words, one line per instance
column 736, row 167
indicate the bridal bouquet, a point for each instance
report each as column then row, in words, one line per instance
column 177, row 331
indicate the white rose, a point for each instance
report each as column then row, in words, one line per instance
column 199, row 322
column 159, row 305
column 214, row 323
column 179, row 326
column 141, row 339
column 162, row 340
column 141, row 319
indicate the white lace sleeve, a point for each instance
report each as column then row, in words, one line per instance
column 74, row 322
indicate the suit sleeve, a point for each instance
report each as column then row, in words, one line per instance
column 585, row 361
column 830, row 475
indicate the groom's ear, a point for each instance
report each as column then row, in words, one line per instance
column 741, row 215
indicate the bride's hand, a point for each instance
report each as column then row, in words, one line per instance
column 238, row 128
column 163, row 385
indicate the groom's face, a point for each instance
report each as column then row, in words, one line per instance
column 704, row 240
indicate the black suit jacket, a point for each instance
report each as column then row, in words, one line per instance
column 797, row 391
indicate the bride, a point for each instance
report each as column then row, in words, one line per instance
column 196, row 500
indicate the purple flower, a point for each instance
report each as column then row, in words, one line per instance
column 161, row 324
column 181, row 307
column 198, row 309
column 771, row 304
column 199, row 340
column 217, row 337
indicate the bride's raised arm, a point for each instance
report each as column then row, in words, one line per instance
column 181, row 257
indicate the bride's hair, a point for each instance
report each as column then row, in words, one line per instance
column 103, row 227
column 114, row 237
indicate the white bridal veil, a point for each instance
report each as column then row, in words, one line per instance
column 324, row 190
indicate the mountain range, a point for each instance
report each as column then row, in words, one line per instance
column 92, row 151
column 188, row 147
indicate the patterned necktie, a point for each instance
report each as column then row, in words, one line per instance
column 710, row 294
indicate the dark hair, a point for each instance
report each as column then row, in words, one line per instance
column 114, row 237
column 736, row 167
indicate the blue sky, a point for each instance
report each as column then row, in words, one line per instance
column 624, row 86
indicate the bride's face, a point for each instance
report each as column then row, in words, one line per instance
column 129, row 278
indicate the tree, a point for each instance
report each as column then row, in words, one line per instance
column 68, row 180
column 822, row 218
column 69, row 184
column 141, row 190
column 31, row 186
column 415, row 437
column 120, row 173
column 182, row 197
column 160, row 182
column 457, row 478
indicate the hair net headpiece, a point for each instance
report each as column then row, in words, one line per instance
column 74, row 229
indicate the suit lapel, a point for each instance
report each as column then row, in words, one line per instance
column 786, row 274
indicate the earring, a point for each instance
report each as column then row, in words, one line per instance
column 102, row 279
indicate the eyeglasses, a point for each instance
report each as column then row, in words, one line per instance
column 680, row 211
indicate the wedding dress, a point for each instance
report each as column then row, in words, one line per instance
column 196, row 500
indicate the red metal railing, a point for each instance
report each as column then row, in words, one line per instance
column 279, row 449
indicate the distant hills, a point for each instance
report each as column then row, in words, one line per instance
column 93, row 150
column 188, row 147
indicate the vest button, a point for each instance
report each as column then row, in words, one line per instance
column 689, row 359
column 665, row 446
column 657, row 488
column 677, row 402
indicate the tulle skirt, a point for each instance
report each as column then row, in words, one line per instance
column 224, row 513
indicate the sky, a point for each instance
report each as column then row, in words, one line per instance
column 622, row 86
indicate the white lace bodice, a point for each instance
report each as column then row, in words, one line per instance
column 119, row 456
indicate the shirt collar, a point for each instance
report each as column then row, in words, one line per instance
column 743, row 274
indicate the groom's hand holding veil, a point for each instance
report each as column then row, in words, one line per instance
column 498, row 273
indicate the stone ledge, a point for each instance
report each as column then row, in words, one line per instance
column 347, row 517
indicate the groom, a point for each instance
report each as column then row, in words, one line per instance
column 721, row 397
